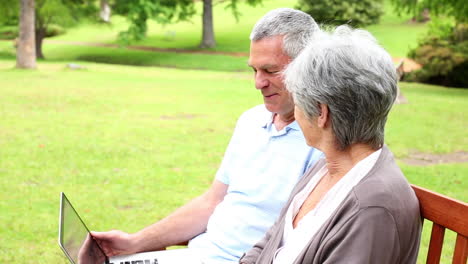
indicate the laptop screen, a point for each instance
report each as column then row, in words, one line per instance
column 75, row 239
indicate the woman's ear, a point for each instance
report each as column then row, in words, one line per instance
column 323, row 117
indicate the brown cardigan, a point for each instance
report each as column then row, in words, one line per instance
column 378, row 222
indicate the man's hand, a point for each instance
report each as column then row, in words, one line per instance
column 89, row 252
column 115, row 242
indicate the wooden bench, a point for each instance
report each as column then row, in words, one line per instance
column 444, row 212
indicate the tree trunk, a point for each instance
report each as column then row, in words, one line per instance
column 26, row 52
column 423, row 16
column 105, row 11
column 40, row 35
column 208, row 39
column 401, row 99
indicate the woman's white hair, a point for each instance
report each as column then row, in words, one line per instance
column 296, row 26
column 355, row 77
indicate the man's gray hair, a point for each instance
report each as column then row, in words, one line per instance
column 355, row 77
column 296, row 27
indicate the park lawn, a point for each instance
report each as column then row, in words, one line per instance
column 130, row 144
column 127, row 145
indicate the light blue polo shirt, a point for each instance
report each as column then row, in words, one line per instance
column 261, row 166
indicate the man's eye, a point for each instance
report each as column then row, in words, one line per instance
column 271, row 72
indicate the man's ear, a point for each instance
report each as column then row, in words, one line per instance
column 323, row 117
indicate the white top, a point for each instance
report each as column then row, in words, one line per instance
column 261, row 166
column 295, row 239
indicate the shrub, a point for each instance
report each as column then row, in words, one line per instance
column 443, row 54
column 54, row 30
column 8, row 32
column 357, row 13
column 11, row 32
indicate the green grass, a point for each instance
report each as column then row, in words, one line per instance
column 127, row 144
column 130, row 144
column 437, row 127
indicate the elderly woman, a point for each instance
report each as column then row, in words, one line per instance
column 355, row 205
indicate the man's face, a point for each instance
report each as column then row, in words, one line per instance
column 268, row 59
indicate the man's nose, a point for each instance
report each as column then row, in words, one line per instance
column 260, row 81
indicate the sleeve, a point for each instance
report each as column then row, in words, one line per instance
column 370, row 236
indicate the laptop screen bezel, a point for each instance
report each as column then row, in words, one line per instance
column 64, row 198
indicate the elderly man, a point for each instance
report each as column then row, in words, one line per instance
column 265, row 158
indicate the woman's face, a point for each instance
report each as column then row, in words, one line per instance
column 308, row 126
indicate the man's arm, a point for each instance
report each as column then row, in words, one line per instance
column 182, row 225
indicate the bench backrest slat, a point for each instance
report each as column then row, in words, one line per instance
column 444, row 212
column 435, row 244
column 461, row 250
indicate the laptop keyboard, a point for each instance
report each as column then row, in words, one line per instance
column 146, row 261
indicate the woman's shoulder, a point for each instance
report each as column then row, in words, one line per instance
column 386, row 187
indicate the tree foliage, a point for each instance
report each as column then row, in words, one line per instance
column 9, row 12
column 233, row 5
column 355, row 12
column 162, row 11
column 59, row 12
column 455, row 8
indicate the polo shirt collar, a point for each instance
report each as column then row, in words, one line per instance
column 269, row 121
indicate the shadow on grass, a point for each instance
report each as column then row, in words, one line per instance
column 122, row 56
column 5, row 55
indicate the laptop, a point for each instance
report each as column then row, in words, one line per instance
column 80, row 247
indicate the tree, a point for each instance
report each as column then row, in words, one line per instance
column 26, row 55
column 458, row 9
column 358, row 13
column 48, row 13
